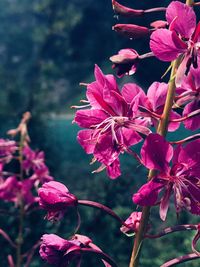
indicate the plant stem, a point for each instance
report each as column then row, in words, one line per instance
column 19, row 239
column 162, row 130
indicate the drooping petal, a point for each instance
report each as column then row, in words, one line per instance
column 166, row 45
column 147, row 195
column 156, row 153
column 89, row 117
column 183, row 17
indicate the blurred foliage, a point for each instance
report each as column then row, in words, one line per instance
column 47, row 47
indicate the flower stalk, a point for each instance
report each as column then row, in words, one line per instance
column 162, row 130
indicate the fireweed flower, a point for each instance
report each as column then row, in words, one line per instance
column 33, row 160
column 112, row 123
column 182, row 178
column 133, row 222
column 154, row 105
column 182, row 38
column 58, row 251
column 126, row 61
column 7, row 149
column 55, row 198
column 189, row 95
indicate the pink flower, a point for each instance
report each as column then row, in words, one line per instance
column 182, row 178
column 58, row 251
column 55, row 198
column 33, row 160
column 112, row 123
column 181, row 38
column 133, row 222
column 7, row 149
column 155, row 101
column 126, row 61
column 190, row 97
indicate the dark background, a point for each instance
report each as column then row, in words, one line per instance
column 46, row 48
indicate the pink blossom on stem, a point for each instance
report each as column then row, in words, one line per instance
column 113, row 122
column 182, row 178
column 55, row 198
column 182, row 38
column 133, row 223
column 189, row 95
column 7, row 149
column 58, row 251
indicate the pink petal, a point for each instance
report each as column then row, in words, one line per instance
column 183, row 17
column 131, row 90
column 106, row 150
column 89, row 117
column 147, row 195
column 194, row 122
column 166, row 45
column 113, row 170
column 130, row 137
column 156, row 153
column 157, row 94
column 87, row 141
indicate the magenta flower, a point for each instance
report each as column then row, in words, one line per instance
column 33, row 160
column 112, row 123
column 125, row 61
column 55, row 198
column 190, row 97
column 155, row 101
column 9, row 189
column 133, row 223
column 182, row 178
column 58, row 251
column 181, row 38
column 7, row 149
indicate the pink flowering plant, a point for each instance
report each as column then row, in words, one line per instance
column 114, row 120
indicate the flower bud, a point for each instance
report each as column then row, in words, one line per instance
column 131, row 30
column 55, row 198
column 58, row 251
column 132, row 222
column 125, row 11
column 125, row 61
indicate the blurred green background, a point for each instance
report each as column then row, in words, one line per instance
column 46, row 48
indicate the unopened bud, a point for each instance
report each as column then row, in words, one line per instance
column 126, row 11
column 131, row 30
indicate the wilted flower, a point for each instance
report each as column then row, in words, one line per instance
column 182, row 178
column 182, row 38
column 133, row 222
column 58, row 251
column 55, row 198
